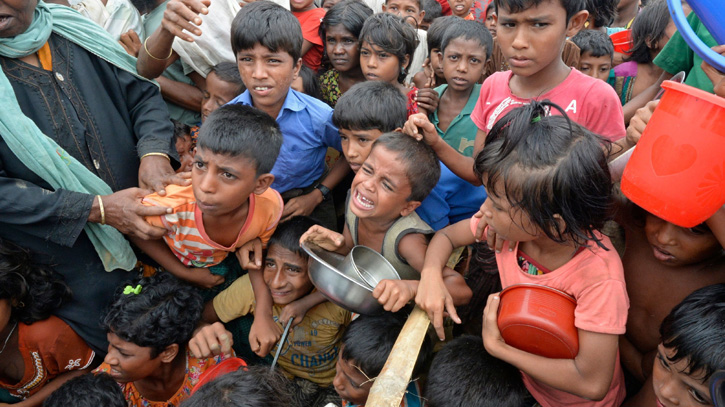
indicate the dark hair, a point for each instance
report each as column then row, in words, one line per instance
column 288, row 234
column 253, row 386
column 351, row 14
column 464, row 374
column 229, row 73
column 268, row 24
column 421, row 163
column 469, row 30
column 371, row 105
column 242, row 131
column 181, row 129
column 310, row 83
column 595, row 42
column 602, row 11
column 516, row 6
column 34, row 290
column 88, row 390
column 369, row 339
column 694, row 329
column 491, row 7
column 164, row 313
column 549, row 166
column 437, row 30
column 648, row 27
column 393, row 35
column 432, row 10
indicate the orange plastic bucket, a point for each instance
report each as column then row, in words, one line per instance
column 622, row 42
column 539, row 320
column 677, row 171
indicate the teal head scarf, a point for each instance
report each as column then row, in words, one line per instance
column 40, row 153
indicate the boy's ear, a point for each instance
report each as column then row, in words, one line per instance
column 576, row 23
column 263, row 182
column 409, row 207
column 420, row 17
column 385, row 7
column 406, row 62
column 561, row 224
column 169, row 354
column 296, row 69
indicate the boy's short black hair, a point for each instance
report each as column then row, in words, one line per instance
column 371, row 105
column 437, row 30
column 242, row 131
column 229, row 73
column 422, row 166
column 648, row 28
column 516, row 6
column 181, row 130
column 468, row 30
column 253, row 386
column 34, row 290
column 432, row 10
column 269, row 24
column 369, row 339
column 351, row 14
column 595, row 42
column 394, row 36
column 164, row 313
column 310, row 83
column 551, row 168
column 694, row 329
column 464, row 374
column 88, row 390
column 288, row 234
column 602, row 11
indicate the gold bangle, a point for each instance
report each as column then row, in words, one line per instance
column 153, row 57
column 103, row 212
column 156, row 154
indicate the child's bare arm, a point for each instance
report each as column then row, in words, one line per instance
column 264, row 332
column 716, row 223
column 588, row 375
column 419, row 127
column 160, row 252
column 433, row 295
column 298, row 309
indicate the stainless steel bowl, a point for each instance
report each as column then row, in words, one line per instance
column 339, row 277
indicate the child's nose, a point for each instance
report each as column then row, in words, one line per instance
column 668, row 390
column 110, row 358
column 520, row 41
column 278, row 280
column 206, row 183
column 259, row 71
column 666, row 234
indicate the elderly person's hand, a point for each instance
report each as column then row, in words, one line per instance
column 155, row 173
column 124, row 211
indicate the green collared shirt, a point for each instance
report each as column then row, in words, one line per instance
column 461, row 133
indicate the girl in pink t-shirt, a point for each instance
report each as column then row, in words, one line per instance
column 549, row 191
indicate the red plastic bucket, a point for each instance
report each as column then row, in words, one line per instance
column 539, row 320
column 677, row 171
column 622, row 42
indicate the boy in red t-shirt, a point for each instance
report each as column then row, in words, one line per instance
column 309, row 17
column 532, row 40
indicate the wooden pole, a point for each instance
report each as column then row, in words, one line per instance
column 389, row 387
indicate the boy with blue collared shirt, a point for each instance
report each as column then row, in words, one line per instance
column 267, row 40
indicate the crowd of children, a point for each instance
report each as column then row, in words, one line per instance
column 389, row 125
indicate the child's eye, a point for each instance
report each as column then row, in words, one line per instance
column 364, row 52
column 343, row 138
column 698, row 397
column 383, row 55
column 388, row 186
column 228, row 175
column 453, row 57
column 362, row 140
column 274, row 61
column 367, row 170
column 269, row 264
column 411, row 11
column 663, row 362
column 245, row 59
column 475, row 61
column 394, row 8
column 540, row 25
column 199, row 165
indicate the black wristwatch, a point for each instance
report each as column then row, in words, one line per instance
column 325, row 190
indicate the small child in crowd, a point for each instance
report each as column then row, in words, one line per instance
column 491, row 18
column 597, row 53
column 366, row 345
column 223, row 84
column 184, row 145
column 40, row 351
column 329, row 4
column 309, row 17
column 692, row 348
column 549, row 189
column 432, row 76
column 311, row 350
column 475, row 380
column 88, row 390
column 253, row 386
column 397, row 175
column 432, row 11
column 462, row 9
column 538, row 73
column 148, row 326
column 228, row 205
column 340, row 30
column 412, row 13
column 306, row 82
